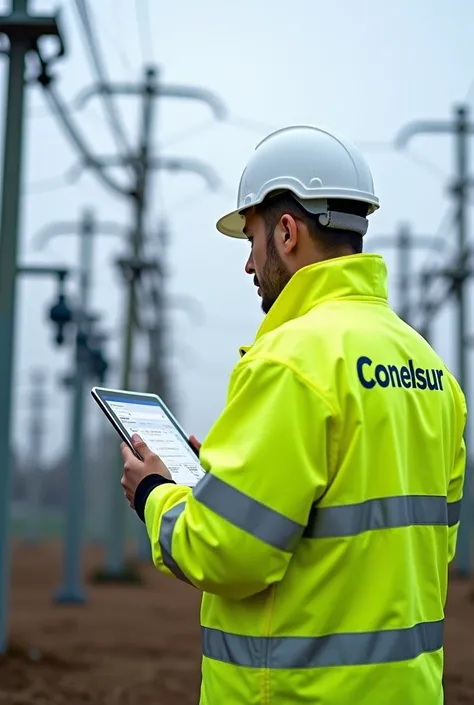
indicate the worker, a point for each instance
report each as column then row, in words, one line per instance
column 321, row 532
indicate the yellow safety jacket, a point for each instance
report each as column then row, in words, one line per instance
column 323, row 528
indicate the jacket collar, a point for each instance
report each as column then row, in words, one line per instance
column 353, row 276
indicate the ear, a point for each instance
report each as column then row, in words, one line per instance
column 286, row 234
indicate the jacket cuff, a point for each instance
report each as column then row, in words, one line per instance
column 144, row 489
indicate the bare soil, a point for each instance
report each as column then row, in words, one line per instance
column 139, row 645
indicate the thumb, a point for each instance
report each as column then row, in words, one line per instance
column 194, row 441
column 141, row 447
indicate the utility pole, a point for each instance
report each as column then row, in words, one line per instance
column 23, row 31
column 35, row 477
column 460, row 127
column 404, row 242
column 404, row 246
column 157, row 378
column 427, row 305
column 134, row 267
column 139, row 207
column 156, row 374
column 71, row 591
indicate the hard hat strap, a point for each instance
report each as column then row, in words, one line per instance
column 334, row 219
column 344, row 221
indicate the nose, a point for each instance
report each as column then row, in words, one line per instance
column 249, row 266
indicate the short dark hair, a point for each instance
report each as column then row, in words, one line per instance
column 333, row 243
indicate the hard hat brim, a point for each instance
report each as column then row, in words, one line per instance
column 232, row 225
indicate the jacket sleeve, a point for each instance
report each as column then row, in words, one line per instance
column 456, row 481
column 266, row 462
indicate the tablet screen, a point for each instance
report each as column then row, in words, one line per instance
column 145, row 415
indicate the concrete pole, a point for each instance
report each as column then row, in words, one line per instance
column 71, row 591
column 35, row 460
column 115, row 554
column 9, row 229
column 464, row 545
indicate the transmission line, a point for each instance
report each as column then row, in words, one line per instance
column 58, row 108
column 99, row 67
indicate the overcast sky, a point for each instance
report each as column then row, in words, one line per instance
column 363, row 69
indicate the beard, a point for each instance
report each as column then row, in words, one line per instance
column 274, row 278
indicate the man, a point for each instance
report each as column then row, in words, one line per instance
column 321, row 533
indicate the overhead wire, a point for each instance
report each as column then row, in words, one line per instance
column 112, row 41
column 74, row 136
column 119, row 51
column 58, row 108
column 111, row 37
column 99, row 68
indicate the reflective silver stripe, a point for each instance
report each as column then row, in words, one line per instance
column 168, row 522
column 454, row 512
column 248, row 514
column 384, row 513
column 356, row 649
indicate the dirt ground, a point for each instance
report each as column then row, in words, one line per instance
column 140, row 645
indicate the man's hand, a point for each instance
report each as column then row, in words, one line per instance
column 134, row 470
column 195, row 443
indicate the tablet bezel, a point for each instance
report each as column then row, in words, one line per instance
column 97, row 394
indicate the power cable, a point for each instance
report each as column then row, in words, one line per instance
column 117, row 48
column 58, row 108
column 99, row 68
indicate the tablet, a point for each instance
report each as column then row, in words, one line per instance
column 148, row 415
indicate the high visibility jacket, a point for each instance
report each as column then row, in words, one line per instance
column 323, row 528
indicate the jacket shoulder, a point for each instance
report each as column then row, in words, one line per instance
column 297, row 345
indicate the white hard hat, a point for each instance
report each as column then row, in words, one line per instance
column 312, row 164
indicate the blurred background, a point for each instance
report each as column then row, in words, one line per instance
column 125, row 126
